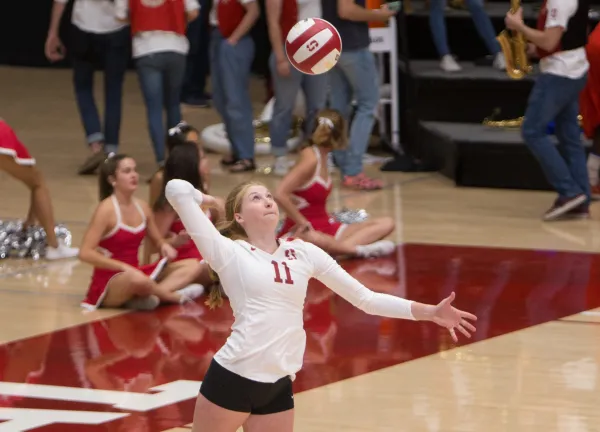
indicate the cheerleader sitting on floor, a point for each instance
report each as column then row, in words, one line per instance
column 111, row 244
column 304, row 191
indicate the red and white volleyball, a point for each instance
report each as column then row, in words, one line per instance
column 313, row 46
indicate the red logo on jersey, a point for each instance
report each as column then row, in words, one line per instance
column 290, row 254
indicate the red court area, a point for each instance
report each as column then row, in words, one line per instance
column 141, row 371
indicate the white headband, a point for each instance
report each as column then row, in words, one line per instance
column 326, row 121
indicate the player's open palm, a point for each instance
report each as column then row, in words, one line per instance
column 453, row 319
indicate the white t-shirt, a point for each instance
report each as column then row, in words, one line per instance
column 267, row 292
column 150, row 42
column 212, row 16
column 572, row 63
column 95, row 16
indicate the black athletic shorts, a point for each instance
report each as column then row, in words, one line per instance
column 236, row 393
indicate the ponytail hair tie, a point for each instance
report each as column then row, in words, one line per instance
column 326, row 121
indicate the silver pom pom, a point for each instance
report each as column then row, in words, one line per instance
column 62, row 233
column 348, row 216
column 16, row 242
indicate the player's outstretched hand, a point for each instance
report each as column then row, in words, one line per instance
column 445, row 315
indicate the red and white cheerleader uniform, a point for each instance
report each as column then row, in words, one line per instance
column 122, row 244
column 311, row 200
column 10, row 145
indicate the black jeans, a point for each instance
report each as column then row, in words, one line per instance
column 110, row 52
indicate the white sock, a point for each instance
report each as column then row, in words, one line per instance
column 190, row 292
column 593, row 167
column 362, row 251
column 375, row 249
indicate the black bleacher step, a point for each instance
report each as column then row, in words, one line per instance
column 480, row 156
column 467, row 96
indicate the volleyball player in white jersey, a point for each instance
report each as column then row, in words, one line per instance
column 249, row 381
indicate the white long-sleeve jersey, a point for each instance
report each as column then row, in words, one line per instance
column 267, row 291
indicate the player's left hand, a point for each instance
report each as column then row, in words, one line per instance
column 514, row 21
column 180, row 239
column 445, row 315
column 303, row 228
column 168, row 251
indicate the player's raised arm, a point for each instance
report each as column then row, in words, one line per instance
column 329, row 272
column 216, row 249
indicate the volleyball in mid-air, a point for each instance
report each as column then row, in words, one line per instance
column 313, row 46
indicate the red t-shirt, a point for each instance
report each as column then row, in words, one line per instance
column 229, row 15
column 157, row 15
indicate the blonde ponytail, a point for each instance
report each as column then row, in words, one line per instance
column 229, row 228
column 215, row 296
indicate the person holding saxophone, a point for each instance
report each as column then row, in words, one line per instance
column 559, row 41
column 589, row 108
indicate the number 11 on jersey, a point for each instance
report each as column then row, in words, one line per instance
column 288, row 275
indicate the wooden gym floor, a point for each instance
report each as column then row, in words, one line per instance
column 532, row 365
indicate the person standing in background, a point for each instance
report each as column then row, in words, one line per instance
column 160, row 47
column 96, row 38
column 483, row 25
column 559, row 41
column 231, row 56
column 355, row 75
column 198, row 62
column 589, row 108
column 282, row 15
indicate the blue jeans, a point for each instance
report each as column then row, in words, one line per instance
column 483, row 24
column 286, row 90
column 557, row 98
column 111, row 50
column 230, row 79
column 161, row 77
column 355, row 75
column 198, row 62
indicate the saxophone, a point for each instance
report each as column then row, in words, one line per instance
column 458, row 4
column 514, row 47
